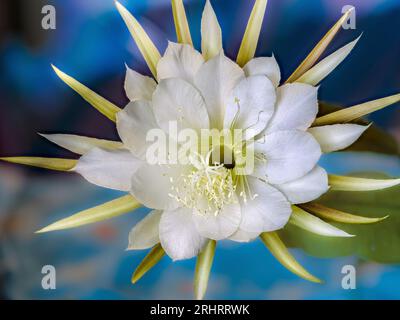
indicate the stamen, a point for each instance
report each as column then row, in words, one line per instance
column 258, row 120
column 237, row 101
column 206, row 189
column 246, row 192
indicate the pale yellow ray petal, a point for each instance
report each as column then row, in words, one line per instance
column 252, row 33
column 181, row 23
column 282, row 254
column 102, row 105
column 337, row 215
column 203, row 268
column 344, row 183
column 352, row 113
column 102, row 212
column 322, row 69
column 80, row 144
column 211, row 34
column 310, row 223
column 46, row 163
column 149, row 51
column 314, row 55
column 149, row 261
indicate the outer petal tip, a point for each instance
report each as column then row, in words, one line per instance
column 57, row 71
column 118, row 5
column 383, row 218
column 49, row 228
column 211, row 34
column 134, row 280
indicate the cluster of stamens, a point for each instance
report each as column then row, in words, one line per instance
column 208, row 187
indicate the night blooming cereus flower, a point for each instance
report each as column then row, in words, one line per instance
column 218, row 149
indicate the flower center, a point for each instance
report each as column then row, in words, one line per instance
column 207, row 187
column 222, row 155
column 210, row 185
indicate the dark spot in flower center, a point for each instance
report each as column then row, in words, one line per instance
column 222, row 154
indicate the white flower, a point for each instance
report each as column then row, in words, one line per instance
column 206, row 198
column 203, row 201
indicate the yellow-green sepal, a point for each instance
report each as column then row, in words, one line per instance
column 102, row 212
column 149, row 261
column 203, row 268
column 282, row 254
column 45, row 163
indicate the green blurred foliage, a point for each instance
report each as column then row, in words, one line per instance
column 379, row 242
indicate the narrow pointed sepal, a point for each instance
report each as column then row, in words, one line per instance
column 314, row 55
column 345, row 183
column 45, row 163
column 102, row 105
column 211, row 33
column 310, row 223
column 80, row 144
column 252, row 33
column 282, row 254
column 352, row 113
column 147, row 48
column 337, row 215
column 321, row 70
column 102, row 212
column 149, row 261
column 181, row 23
column 203, row 268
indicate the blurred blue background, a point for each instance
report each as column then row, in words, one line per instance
column 91, row 43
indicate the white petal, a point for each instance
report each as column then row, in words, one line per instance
column 152, row 185
column 133, row 124
column 251, row 105
column 179, row 61
column 111, row 169
column 178, row 235
column 337, row 136
column 289, row 155
column 211, row 34
column 311, row 223
column 307, row 188
column 137, row 86
column 216, row 79
column 144, row 234
column 175, row 100
column 296, row 107
column 80, row 144
column 321, row 70
column 219, row 226
column 243, row 236
column 266, row 66
column 268, row 211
